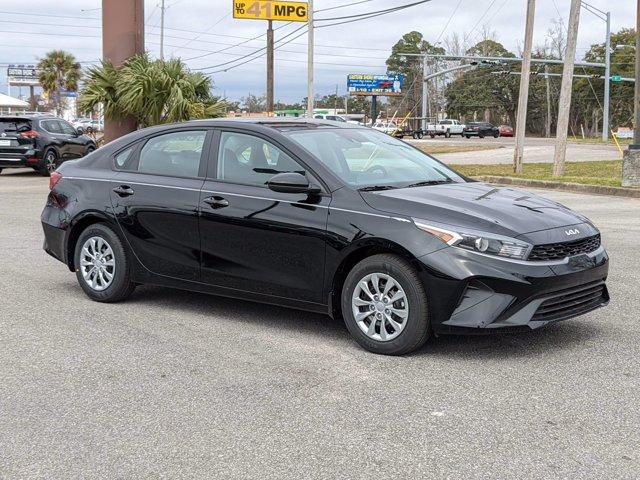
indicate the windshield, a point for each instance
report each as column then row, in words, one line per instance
column 367, row 158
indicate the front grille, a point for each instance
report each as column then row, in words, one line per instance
column 558, row 251
column 572, row 302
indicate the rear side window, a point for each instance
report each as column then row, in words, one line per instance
column 175, row 154
column 123, row 157
column 51, row 126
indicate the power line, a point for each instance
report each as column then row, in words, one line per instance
column 448, row 21
column 342, row 6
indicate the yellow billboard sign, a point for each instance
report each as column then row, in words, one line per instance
column 271, row 10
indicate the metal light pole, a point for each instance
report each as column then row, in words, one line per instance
column 310, row 90
column 162, row 8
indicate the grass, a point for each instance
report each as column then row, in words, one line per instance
column 607, row 173
column 435, row 149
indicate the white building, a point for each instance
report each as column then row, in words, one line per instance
column 12, row 105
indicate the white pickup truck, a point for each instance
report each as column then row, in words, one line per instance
column 445, row 127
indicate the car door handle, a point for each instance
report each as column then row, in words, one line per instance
column 216, row 202
column 124, row 190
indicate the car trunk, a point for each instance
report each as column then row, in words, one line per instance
column 15, row 136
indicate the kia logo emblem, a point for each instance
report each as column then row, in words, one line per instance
column 573, row 231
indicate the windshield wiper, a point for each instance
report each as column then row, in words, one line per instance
column 428, row 182
column 374, row 188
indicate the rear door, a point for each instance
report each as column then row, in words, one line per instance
column 58, row 138
column 155, row 197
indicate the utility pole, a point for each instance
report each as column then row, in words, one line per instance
column 564, row 107
column 270, row 67
column 310, row 90
column 548, row 123
column 636, row 110
column 162, row 8
column 523, row 96
column 122, row 37
column 631, row 160
column 425, row 95
column 607, row 80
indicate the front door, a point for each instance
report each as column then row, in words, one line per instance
column 255, row 239
column 155, row 197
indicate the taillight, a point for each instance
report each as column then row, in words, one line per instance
column 54, row 178
column 29, row 134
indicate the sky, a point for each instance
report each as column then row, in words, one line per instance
column 195, row 28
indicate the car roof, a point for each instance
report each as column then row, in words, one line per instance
column 274, row 122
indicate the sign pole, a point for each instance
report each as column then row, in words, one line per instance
column 607, row 80
column 270, row 67
column 374, row 109
column 310, row 90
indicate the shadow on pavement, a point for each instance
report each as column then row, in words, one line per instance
column 559, row 336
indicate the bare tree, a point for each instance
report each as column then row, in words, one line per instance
column 557, row 38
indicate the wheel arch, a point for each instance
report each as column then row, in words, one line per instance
column 79, row 224
column 372, row 246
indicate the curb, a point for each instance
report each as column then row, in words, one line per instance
column 567, row 187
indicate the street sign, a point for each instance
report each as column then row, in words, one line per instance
column 271, row 10
column 384, row 85
column 616, row 78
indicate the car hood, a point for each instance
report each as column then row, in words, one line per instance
column 478, row 206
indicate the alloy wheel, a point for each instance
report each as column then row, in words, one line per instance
column 97, row 263
column 380, row 307
column 50, row 162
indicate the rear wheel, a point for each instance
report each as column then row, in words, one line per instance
column 102, row 265
column 49, row 163
column 468, row 136
column 496, row 135
column 420, row 135
column 481, row 135
column 385, row 306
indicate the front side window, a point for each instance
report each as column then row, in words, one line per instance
column 368, row 158
column 250, row 160
column 67, row 128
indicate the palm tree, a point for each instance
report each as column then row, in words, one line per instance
column 59, row 70
column 151, row 91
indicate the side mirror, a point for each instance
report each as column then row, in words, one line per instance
column 291, row 182
column 80, row 131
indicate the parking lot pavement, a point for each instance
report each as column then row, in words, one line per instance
column 176, row 384
column 536, row 150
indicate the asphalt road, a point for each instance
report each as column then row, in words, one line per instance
column 182, row 385
column 536, row 150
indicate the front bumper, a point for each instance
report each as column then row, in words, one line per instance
column 481, row 293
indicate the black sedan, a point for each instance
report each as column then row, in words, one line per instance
column 326, row 217
column 481, row 130
column 41, row 142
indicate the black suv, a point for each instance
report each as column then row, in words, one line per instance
column 40, row 142
column 481, row 130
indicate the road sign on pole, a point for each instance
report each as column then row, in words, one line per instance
column 271, row 10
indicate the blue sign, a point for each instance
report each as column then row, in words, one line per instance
column 363, row 84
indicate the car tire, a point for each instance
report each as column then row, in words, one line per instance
column 403, row 334
column 99, row 249
column 447, row 134
column 49, row 163
column 481, row 135
column 420, row 135
column 468, row 136
column 496, row 135
column 432, row 135
column 89, row 150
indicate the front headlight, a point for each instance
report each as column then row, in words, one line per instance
column 476, row 241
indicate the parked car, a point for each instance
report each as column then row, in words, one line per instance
column 505, row 131
column 445, row 127
column 390, row 128
column 481, row 130
column 40, row 142
column 342, row 220
column 333, row 118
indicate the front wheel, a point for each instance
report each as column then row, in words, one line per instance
column 102, row 266
column 496, row 135
column 447, row 134
column 384, row 305
column 89, row 150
